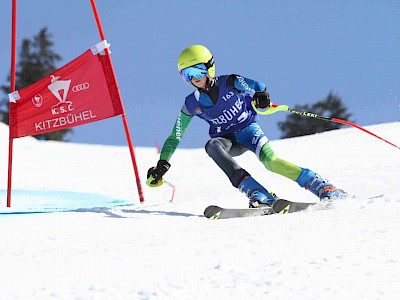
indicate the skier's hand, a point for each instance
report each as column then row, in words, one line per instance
column 155, row 174
column 262, row 99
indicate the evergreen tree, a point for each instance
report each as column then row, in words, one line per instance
column 36, row 60
column 297, row 125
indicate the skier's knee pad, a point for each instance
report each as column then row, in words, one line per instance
column 238, row 176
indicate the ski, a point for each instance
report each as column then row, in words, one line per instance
column 280, row 206
column 214, row 212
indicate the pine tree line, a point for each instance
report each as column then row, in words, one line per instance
column 296, row 125
column 36, row 60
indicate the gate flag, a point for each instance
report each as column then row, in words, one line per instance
column 81, row 92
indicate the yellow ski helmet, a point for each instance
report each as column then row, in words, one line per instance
column 194, row 55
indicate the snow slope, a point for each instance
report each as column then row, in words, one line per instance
column 76, row 230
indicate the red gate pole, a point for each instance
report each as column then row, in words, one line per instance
column 12, row 89
column 124, row 120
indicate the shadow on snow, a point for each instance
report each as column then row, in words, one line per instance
column 26, row 202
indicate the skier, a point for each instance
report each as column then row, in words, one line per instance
column 225, row 103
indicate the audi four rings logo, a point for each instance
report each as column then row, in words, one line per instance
column 80, row 87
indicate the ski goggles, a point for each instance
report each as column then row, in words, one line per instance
column 196, row 71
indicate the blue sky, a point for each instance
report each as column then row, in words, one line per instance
column 302, row 50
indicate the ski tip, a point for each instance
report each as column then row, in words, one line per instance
column 212, row 212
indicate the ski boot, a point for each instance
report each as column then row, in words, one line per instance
column 257, row 194
column 319, row 186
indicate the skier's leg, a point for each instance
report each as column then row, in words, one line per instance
column 252, row 138
column 277, row 165
column 221, row 151
column 306, row 178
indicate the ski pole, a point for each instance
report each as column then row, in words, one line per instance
column 173, row 190
column 159, row 183
column 275, row 108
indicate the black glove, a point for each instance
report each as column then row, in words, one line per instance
column 158, row 172
column 262, row 99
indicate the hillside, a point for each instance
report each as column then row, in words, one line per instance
column 76, row 229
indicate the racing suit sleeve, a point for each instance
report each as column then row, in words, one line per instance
column 172, row 142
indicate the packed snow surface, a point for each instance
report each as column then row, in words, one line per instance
column 76, row 229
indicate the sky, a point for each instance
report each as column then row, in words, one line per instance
column 301, row 50
column 76, row 230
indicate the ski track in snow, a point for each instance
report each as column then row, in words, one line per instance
column 76, row 230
